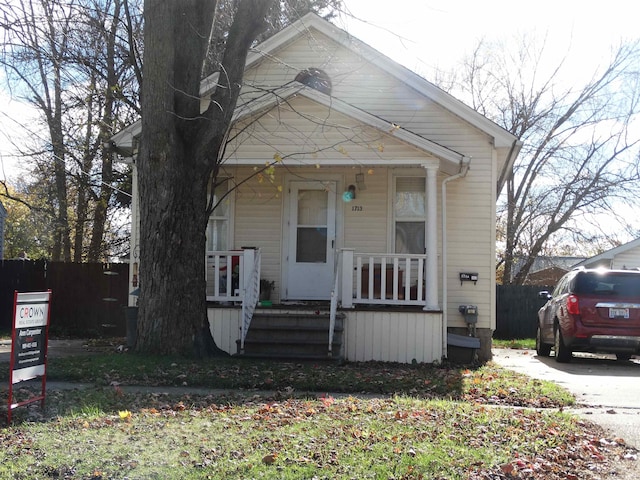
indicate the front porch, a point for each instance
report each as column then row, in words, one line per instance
column 232, row 277
column 370, row 316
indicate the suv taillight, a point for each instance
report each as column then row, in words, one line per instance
column 572, row 305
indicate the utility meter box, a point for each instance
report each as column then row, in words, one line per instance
column 470, row 313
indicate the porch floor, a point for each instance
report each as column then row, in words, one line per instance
column 325, row 306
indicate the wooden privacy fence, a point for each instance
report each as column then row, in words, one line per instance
column 87, row 299
column 517, row 310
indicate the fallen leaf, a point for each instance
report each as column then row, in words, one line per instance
column 507, row 468
column 124, row 414
column 269, row 459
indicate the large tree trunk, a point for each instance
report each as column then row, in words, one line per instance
column 178, row 152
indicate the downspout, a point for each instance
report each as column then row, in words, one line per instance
column 464, row 168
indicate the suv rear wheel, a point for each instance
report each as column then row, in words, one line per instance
column 542, row 349
column 563, row 354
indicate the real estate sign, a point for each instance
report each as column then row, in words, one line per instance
column 30, row 341
column 30, row 324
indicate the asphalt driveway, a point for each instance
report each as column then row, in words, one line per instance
column 608, row 391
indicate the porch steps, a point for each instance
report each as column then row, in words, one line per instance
column 297, row 335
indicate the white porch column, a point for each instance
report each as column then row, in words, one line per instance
column 431, row 240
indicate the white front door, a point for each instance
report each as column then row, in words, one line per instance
column 311, row 240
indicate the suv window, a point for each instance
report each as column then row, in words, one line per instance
column 561, row 287
column 610, row 285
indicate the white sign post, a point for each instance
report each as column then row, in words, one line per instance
column 29, row 343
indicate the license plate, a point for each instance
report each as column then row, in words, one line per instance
column 618, row 313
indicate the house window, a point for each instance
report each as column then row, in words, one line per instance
column 218, row 227
column 409, row 214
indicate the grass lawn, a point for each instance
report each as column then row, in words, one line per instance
column 277, row 420
column 519, row 343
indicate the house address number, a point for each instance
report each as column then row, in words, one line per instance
column 356, row 208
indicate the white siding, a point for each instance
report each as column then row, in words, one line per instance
column 471, row 242
column 365, row 219
column 224, row 324
column 305, row 132
column 627, row 260
column 393, row 337
column 258, row 207
column 359, row 82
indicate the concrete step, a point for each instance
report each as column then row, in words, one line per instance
column 292, row 335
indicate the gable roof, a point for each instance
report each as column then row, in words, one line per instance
column 450, row 159
column 501, row 137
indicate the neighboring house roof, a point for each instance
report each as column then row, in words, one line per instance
column 546, row 277
column 542, row 263
column 609, row 255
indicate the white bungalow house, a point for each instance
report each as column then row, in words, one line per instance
column 375, row 222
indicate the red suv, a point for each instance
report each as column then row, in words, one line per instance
column 591, row 311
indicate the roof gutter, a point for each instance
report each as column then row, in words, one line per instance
column 464, row 168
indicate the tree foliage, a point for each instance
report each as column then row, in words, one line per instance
column 79, row 64
column 579, row 161
column 27, row 233
column 71, row 61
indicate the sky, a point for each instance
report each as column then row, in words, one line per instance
column 15, row 120
column 425, row 35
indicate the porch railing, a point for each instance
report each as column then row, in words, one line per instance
column 227, row 274
column 382, row 279
column 250, row 293
column 234, row 277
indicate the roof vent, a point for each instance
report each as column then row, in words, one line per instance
column 316, row 79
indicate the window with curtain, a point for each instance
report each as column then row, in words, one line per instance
column 409, row 214
column 218, row 226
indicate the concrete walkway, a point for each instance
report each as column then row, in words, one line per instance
column 56, row 348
